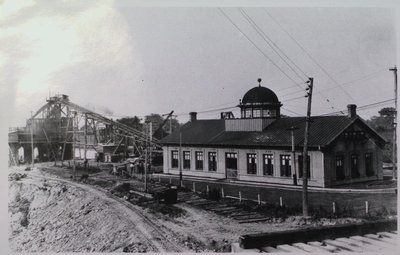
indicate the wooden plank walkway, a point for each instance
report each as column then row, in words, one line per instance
column 380, row 242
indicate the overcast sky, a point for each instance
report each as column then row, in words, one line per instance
column 112, row 56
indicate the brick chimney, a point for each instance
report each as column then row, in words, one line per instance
column 352, row 110
column 193, row 116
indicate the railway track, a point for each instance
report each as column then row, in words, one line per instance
column 222, row 208
column 157, row 229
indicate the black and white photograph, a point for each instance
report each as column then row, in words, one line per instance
column 216, row 127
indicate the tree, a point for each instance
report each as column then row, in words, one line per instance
column 387, row 112
column 174, row 125
column 133, row 122
column 161, row 126
column 383, row 124
column 155, row 119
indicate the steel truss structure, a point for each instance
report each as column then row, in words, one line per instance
column 60, row 126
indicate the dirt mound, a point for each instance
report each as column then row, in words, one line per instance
column 48, row 216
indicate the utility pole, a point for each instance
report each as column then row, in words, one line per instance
column 150, row 144
column 33, row 150
column 73, row 146
column 394, row 70
column 292, row 129
column 145, row 159
column 170, row 123
column 85, row 134
column 180, row 158
column 305, row 149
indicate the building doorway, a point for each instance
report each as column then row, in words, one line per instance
column 21, row 155
column 354, row 166
column 231, row 165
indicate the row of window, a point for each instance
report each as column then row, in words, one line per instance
column 257, row 113
column 199, row 156
column 268, row 165
column 354, row 166
column 231, row 162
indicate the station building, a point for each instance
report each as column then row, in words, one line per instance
column 257, row 147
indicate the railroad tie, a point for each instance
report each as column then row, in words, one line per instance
column 388, row 234
column 365, row 247
column 289, row 248
column 192, row 200
column 366, row 240
column 206, row 204
column 227, row 212
column 343, row 245
column 244, row 216
column 386, row 240
column 243, row 213
column 253, row 220
column 308, row 248
column 222, row 209
column 270, row 249
column 326, row 247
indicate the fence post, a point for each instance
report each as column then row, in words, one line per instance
column 366, row 207
column 170, row 181
column 182, row 184
column 194, row 187
column 333, row 207
column 259, row 200
column 280, row 201
column 159, row 179
column 222, row 191
column 208, row 190
column 240, row 197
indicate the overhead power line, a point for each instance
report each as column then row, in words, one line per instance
column 310, row 56
column 273, row 45
column 362, row 78
column 255, row 45
column 286, row 109
column 363, row 107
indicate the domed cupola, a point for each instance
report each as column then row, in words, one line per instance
column 260, row 102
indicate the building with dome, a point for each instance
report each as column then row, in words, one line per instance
column 257, row 146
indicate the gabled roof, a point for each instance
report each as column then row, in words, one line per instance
column 323, row 131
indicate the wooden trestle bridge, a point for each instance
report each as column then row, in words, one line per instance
column 60, row 126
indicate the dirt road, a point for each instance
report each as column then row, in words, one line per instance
column 136, row 227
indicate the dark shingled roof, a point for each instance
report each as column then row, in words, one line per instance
column 323, row 130
column 197, row 132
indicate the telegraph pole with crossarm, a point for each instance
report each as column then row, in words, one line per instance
column 394, row 70
column 305, row 149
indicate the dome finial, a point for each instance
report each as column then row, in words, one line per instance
column 259, row 81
